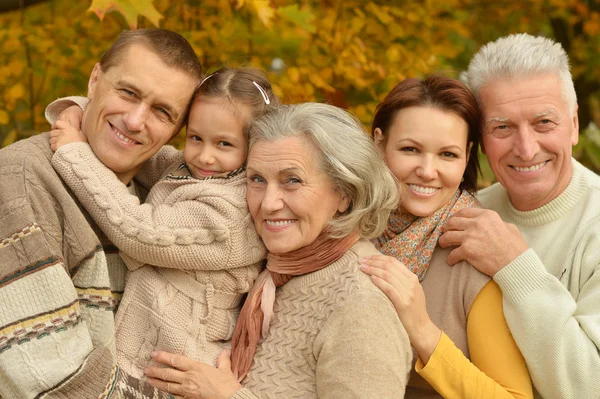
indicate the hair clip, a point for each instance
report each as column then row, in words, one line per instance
column 263, row 92
column 206, row 78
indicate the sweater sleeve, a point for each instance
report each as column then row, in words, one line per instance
column 153, row 169
column 363, row 350
column 54, row 109
column 206, row 231
column 497, row 370
column 48, row 345
column 558, row 334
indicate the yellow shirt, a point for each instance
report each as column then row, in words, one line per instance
column 497, row 368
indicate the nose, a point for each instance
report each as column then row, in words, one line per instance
column 206, row 156
column 273, row 199
column 526, row 145
column 427, row 169
column 135, row 119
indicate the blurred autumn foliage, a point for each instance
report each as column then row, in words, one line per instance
column 346, row 52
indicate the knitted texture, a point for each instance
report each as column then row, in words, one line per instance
column 59, row 285
column 552, row 291
column 333, row 334
column 200, row 236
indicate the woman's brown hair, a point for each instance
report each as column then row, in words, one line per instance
column 439, row 92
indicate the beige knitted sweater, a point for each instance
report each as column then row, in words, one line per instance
column 334, row 334
column 200, row 235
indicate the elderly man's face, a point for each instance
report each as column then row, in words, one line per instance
column 528, row 135
column 290, row 198
column 135, row 107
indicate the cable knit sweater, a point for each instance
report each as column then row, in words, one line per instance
column 200, row 234
column 60, row 282
column 552, row 291
column 334, row 334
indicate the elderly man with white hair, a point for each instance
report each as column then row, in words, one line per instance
column 539, row 236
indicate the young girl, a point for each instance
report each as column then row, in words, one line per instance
column 428, row 131
column 191, row 248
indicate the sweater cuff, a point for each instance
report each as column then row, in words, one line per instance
column 522, row 276
column 243, row 393
column 436, row 357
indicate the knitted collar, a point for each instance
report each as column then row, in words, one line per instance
column 257, row 311
column 183, row 172
column 412, row 239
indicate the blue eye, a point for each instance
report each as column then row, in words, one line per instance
column 255, row 179
column 195, row 138
column 128, row 92
column 293, row 180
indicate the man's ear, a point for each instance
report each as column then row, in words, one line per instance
column 378, row 137
column 96, row 73
column 575, row 133
column 469, row 148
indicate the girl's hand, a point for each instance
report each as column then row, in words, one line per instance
column 64, row 133
column 72, row 115
column 404, row 290
column 190, row 379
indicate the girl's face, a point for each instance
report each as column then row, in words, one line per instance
column 427, row 151
column 215, row 139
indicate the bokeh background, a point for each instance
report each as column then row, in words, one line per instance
column 347, row 52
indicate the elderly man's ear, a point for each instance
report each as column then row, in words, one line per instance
column 575, row 132
column 96, row 72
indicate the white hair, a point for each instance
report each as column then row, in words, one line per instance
column 348, row 156
column 521, row 55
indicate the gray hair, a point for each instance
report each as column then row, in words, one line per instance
column 348, row 156
column 521, row 55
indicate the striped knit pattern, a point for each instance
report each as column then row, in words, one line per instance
column 58, row 288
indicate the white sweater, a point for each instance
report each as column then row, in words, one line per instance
column 552, row 291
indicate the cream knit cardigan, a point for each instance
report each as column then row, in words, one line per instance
column 197, row 241
column 552, row 291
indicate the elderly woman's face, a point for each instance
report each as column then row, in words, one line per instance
column 290, row 198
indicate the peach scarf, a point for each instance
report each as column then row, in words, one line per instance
column 257, row 311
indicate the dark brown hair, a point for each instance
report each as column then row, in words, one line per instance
column 239, row 86
column 439, row 92
column 172, row 48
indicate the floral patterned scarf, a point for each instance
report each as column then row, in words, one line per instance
column 412, row 239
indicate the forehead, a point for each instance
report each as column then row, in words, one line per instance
column 522, row 97
column 276, row 156
column 141, row 67
column 429, row 125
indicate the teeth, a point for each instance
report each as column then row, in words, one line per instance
column 125, row 139
column 422, row 190
column 530, row 168
column 279, row 223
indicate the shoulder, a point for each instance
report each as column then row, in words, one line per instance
column 27, row 151
column 493, row 196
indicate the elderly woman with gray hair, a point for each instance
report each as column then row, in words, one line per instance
column 313, row 325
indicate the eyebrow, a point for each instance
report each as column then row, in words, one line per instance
column 409, row 140
column 544, row 113
column 173, row 114
column 500, row 119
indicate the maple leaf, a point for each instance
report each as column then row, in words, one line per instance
column 130, row 9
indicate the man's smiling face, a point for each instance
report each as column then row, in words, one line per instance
column 528, row 135
column 135, row 107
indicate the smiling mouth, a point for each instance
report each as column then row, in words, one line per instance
column 421, row 189
column 531, row 168
column 121, row 136
column 280, row 223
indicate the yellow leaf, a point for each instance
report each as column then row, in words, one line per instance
column 294, row 74
column 4, row 117
column 130, row 9
column 264, row 10
column 13, row 94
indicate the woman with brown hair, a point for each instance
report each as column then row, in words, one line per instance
column 429, row 133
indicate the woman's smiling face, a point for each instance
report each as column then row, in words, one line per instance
column 426, row 149
column 290, row 198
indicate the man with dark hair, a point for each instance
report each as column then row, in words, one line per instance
column 60, row 278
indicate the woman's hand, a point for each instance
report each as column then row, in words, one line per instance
column 64, row 133
column 187, row 378
column 404, row 290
